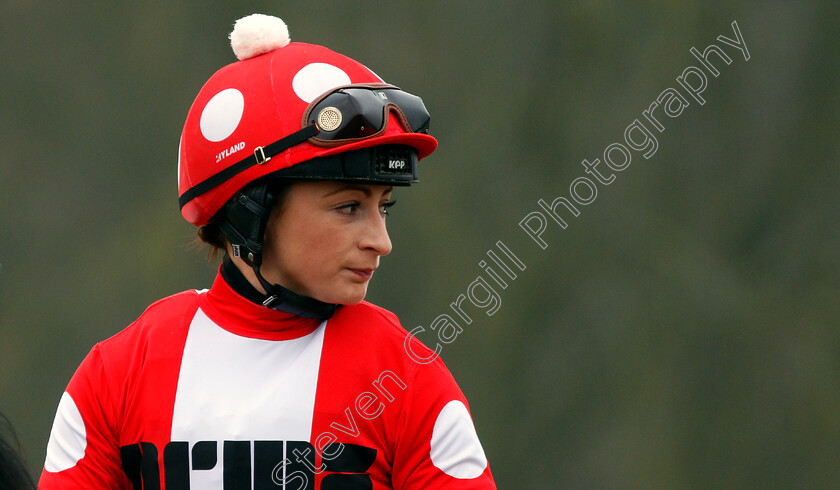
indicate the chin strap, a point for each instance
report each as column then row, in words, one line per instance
column 243, row 222
column 279, row 298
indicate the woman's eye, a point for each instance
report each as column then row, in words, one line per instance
column 383, row 208
column 349, row 208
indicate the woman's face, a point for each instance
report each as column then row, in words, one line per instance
column 325, row 239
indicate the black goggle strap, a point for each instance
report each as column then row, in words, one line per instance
column 261, row 155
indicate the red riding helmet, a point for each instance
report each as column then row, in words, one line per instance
column 283, row 104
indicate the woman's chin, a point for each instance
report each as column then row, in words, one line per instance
column 348, row 296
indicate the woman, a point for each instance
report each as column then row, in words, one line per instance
column 279, row 376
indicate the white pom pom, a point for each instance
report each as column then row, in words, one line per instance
column 258, row 34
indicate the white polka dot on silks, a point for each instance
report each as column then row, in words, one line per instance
column 68, row 438
column 455, row 448
column 316, row 78
column 222, row 114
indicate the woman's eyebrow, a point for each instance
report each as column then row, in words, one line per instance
column 355, row 187
column 349, row 187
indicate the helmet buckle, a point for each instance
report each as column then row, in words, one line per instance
column 259, row 155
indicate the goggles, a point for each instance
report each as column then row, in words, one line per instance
column 357, row 112
column 345, row 115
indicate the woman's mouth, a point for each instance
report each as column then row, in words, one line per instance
column 365, row 274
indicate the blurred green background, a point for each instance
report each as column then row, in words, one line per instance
column 682, row 332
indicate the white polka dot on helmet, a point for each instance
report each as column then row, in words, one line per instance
column 257, row 101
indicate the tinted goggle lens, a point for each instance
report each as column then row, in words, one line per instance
column 352, row 113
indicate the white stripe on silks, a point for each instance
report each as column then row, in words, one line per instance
column 238, row 388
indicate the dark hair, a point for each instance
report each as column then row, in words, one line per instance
column 13, row 474
column 211, row 235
